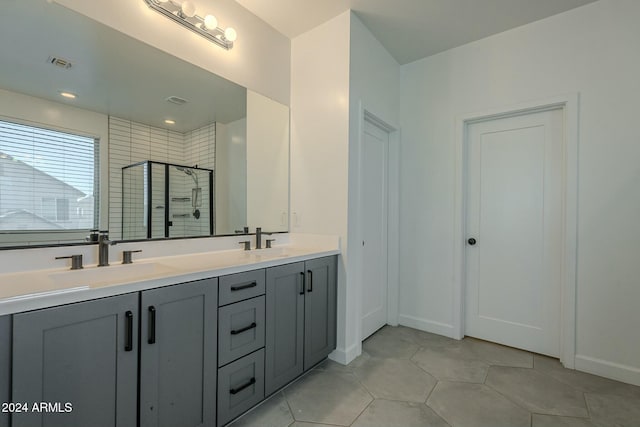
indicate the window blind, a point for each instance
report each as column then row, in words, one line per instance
column 49, row 180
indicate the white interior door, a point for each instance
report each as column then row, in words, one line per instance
column 373, row 220
column 514, row 213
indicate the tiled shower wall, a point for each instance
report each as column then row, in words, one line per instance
column 131, row 142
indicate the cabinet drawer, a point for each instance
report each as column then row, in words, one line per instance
column 240, row 329
column 240, row 286
column 240, row 386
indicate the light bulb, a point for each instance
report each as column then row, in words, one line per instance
column 230, row 34
column 210, row 22
column 188, row 9
column 69, row 95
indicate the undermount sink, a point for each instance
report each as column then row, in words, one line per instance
column 277, row 252
column 116, row 273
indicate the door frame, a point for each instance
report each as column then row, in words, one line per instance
column 393, row 214
column 568, row 103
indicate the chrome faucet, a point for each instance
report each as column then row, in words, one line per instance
column 103, row 248
column 259, row 234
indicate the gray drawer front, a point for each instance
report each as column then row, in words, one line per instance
column 241, row 286
column 240, row 329
column 240, row 386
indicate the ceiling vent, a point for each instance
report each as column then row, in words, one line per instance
column 176, row 100
column 59, row 62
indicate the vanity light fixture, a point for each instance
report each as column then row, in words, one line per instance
column 184, row 13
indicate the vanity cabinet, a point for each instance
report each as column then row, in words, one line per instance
column 83, row 354
column 178, row 355
column 5, row 366
column 300, row 318
column 194, row 354
column 87, row 354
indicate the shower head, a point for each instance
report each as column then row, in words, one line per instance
column 185, row 170
column 189, row 172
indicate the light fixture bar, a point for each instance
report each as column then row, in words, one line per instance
column 195, row 23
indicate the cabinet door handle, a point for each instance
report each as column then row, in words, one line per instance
column 241, row 287
column 152, row 325
column 245, row 329
column 243, row 386
column 128, row 346
column 303, row 277
column 310, row 288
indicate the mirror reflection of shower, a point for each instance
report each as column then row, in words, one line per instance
column 196, row 192
column 166, row 200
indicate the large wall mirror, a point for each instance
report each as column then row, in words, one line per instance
column 99, row 130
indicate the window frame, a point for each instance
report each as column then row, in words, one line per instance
column 48, row 237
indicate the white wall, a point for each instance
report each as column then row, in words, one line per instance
column 267, row 163
column 320, row 143
column 330, row 80
column 374, row 85
column 592, row 50
column 231, row 176
column 259, row 60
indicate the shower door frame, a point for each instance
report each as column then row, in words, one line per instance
column 166, row 197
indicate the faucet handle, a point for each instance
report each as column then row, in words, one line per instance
column 269, row 243
column 247, row 245
column 93, row 236
column 76, row 261
column 126, row 256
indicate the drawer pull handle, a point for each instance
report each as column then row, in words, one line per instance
column 129, row 341
column 241, row 287
column 245, row 329
column 303, row 280
column 251, row 382
column 152, row 325
column 310, row 288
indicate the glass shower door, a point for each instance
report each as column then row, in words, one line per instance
column 189, row 201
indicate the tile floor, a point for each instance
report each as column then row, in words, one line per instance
column 408, row 378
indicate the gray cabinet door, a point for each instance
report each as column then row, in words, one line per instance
column 320, row 310
column 85, row 354
column 285, row 325
column 5, row 366
column 178, row 355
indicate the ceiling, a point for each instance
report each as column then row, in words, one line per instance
column 112, row 73
column 412, row 29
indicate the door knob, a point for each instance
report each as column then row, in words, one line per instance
column 471, row 241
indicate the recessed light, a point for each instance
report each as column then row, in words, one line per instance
column 170, row 122
column 69, row 95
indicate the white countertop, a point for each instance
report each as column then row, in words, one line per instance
column 23, row 291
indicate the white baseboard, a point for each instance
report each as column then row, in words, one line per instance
column 344, row 357
column 427, row 325
column 603, row 368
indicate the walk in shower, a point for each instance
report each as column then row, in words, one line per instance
column 166, row 200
